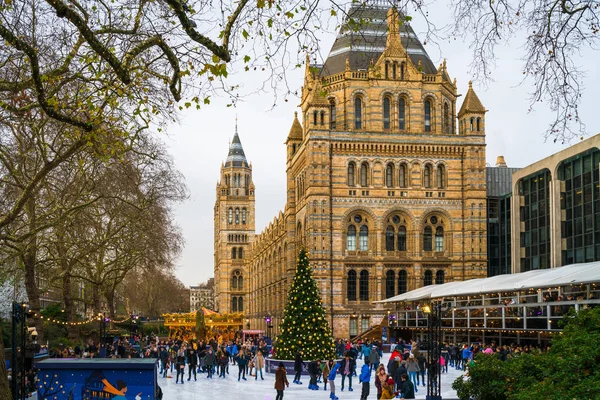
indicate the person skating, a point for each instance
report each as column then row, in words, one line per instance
column 313, row 371
column 242, row 362
column 374, row 359
column 325, row 370
column 364, row 378
column 281, row 381
column 331, row 379
column 298, row 366
column 347, row 368
column 259, row 364
column 222, row 360
column 387, row 388
column 209, row 361
column 180, row 365
column 408, row 390
column 412, row 366
column 192, row 359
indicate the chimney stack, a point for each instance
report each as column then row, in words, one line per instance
column 500, row 162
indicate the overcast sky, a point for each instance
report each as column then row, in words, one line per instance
column 199, row 143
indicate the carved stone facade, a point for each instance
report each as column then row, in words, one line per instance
column 386, row 188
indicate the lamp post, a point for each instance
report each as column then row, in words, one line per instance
column 268, row 322
column 434, row 375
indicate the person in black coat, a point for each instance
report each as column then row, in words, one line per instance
column 298, row 366
column 347, row 370
column 401, row 370
column 192, row 359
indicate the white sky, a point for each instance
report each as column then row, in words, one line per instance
column 199, row 144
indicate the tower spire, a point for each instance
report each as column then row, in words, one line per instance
column 236, row 156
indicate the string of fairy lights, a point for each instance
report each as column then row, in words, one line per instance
column 85, row 322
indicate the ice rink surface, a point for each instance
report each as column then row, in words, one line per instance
column 229, row 388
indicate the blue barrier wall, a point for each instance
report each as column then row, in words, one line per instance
column 96, row 379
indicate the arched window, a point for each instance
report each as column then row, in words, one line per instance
column 427, row 239
column 351, row 285
column 230, row 215
column 240, row 282
column 364, row 174
column 389, row 175
column 315, row 116
column 363, row 289
column 439, row 277
column 237, row 216
column 402, row 238
column 244, row 216
column 447, row 127
column 351, row 238
column 427, row 278
column 234, row 304
column 240, row 252
column 386, row 112
column 401, row 114
column 441, row 177
column 322, row 117
column 332, row 116
column 390, row 283
column 233, row 253
column 234, row 282
column 402, row 176
column 402, row 282
column 427, row 176
column 439, row 239
column 478, row 124
column 387, row 70
column 394, row 70
column 427, row 115
column 364, row 238
column 389, row 238
column 358, row 113
column 240, row 304
column 402, row 70
column 472, row 120
column 351, row 169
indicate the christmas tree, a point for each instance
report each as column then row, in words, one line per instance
column 304, row 324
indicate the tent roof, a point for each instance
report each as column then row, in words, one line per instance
column 542, row 278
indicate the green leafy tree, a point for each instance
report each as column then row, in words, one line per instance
column 304, row 325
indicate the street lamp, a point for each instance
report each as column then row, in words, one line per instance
column 434, row 324
column 268, row 322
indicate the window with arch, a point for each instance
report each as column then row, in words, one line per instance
column 241, row 252
column 351, row 169
column 478, row 124
column 427, row 239
column 322, row 117
column 439, row 277
column 234, row 253
column 394, row 66
column 364, row 174
column 351, row 238
column 351, row 285
column 230, row 215
column 386, row 112
column 441, row 177
column 472, row 120
column 447, row 126
column 402, row 70
column 363, row 289
column 387, row 70
column 234, row 304
column 390, row 283
column 389, row 175
column 427, row 110
column 402, row 279
column 315, row 116
column 240, row 304
column 244, row 215
column 358, row 112
column 402, row 238
column 402, row 175
column 427, row 176
column 401, row 113
column 332, row 114
column 237, row 216
column 237, row 281
column 439, row 239
column 389, row 238
column 363, row 243
column 428, row 278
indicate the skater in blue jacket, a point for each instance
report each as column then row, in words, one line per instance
column 365, row 376
column 331, row 380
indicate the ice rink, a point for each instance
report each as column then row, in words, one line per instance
column 229, row 388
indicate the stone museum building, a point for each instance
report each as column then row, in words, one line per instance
column 386, row 185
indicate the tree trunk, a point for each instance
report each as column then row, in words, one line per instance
column 96, row 299
column 29, row 260
column 4, row 385
column 69, row 304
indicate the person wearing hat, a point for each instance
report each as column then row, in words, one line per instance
column 412, row 366
column 374, row 358
column 347, row 368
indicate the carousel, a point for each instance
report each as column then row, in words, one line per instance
column 183, row 326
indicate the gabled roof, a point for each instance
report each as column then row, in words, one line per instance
column 367, row 43
column 236, row 156
column 296, row 131
column 471, row 104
